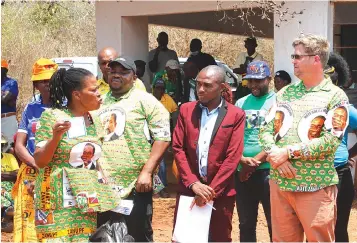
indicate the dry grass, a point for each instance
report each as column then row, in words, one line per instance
column 32, row 30
column 223, row 47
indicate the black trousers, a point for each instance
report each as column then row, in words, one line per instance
column 344, row 202
column 249, row 194
column 139, row 222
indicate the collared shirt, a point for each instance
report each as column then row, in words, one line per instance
column 301, row 121
column 9, row 85
column 208, row 120
column 138, row 115
column 104, row 88
column 29, row 119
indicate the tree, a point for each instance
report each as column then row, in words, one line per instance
column 244, row 10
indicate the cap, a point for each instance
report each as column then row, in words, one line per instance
column 4, row 64
column 43, row 69
column 257, row 70
column 3, row 139
column 159, row 82
column 251, row 39
column 283, row 75
column 126, row 62
column 173, row 64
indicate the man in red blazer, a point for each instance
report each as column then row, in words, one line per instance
column 208, row 144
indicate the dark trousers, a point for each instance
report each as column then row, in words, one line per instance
column 220, row 229
column 139, row 222
column 249, row 194
column 344, row 202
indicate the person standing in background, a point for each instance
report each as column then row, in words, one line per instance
column 159, row 56
column 105, row 56
column 281, row 79
column 252, row 178
column 24, row 220
column 241, row 65
column 9, row 93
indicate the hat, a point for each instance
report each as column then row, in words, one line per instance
column 251, row 39
column 257, row 70
column 173, row 64
column 43, row 69
column 126, row 62
column 160, row 82
column 283, row 75
column 4, row 64
column 3, row 139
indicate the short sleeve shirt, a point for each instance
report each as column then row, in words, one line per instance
column 52, row 188
column 9, row 85
column 28, row 124
column 129, row 122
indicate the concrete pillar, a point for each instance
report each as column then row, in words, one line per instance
column 317, row 18
column 128, row 35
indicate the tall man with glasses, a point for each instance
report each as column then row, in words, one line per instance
column 303, row 179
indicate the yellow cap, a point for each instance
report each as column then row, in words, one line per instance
column 43, row 69
column 4, row 64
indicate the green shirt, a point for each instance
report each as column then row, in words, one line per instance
column 138, row 117
column 311, row 146
column 256, row 109
column 170, row 88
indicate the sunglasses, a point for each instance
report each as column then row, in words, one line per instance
column 298, row 57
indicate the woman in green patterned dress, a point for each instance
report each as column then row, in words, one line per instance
column 62, row 139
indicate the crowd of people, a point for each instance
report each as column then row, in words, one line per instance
column 86, row 148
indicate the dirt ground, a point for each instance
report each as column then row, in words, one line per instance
column 163, row 221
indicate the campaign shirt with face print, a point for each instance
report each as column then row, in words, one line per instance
column 310, row 124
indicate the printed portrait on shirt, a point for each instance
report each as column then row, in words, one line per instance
column 85, row 156
column 113, row 121
column 283, row 120
column 312, row 124
column 337, row 120
column 255, row 118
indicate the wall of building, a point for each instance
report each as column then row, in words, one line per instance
column 317, row 18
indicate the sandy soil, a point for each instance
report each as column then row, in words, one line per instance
column 163, row 221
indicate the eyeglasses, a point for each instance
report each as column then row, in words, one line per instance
column 298, row 57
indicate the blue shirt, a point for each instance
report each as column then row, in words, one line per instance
column 28, row 124
column 208, row 120
column 341, row 155
column 9, row 85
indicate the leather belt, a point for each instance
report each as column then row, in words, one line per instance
column 8, row 114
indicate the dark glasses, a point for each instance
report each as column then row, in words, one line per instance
column 298, row 57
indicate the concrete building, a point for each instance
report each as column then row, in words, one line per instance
column 124, row 25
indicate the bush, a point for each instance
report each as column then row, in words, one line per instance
column 31, row 30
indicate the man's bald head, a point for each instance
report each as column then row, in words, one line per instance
column 209, row 85
column 216, row 72
column 106, row 55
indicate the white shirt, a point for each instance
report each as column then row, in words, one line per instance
column 241, row 60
